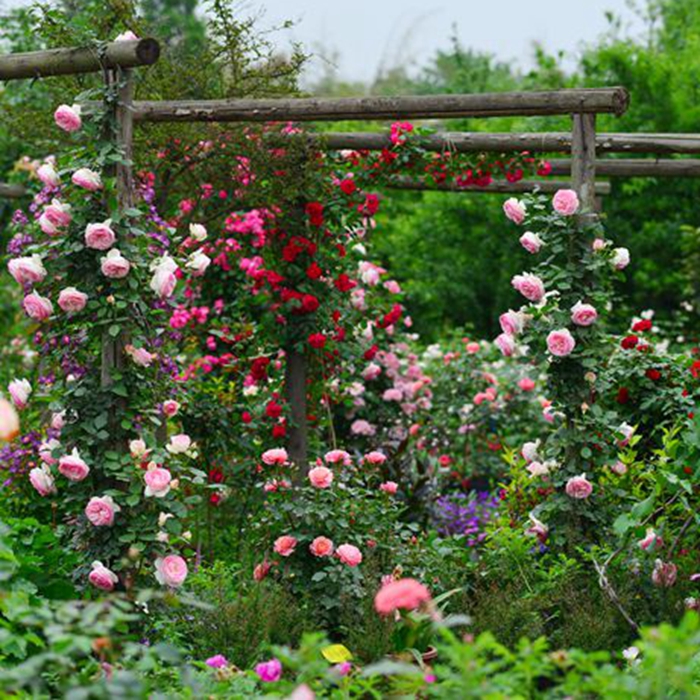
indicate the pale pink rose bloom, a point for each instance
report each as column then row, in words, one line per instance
column 565, row 202
column 338, row 457
column 627, row 432
column 73, row 467
column 536, row 469
column 9, row 421
column 357, row 299
column 100, row 236
column 47, row 227
column 164, row 280
column 650, row 539
column 664, row 574
column 538, row 529
column 505, row 344
column 472, row 348
column 531, row 242
column 114, row 265
column 46, row 450
column 529, row 451
column 512, row 322
column 275, row 456
column 71, row 300
column 101, row 577
column 100, row 511
column 48, row 175
column 87, row 179
column 37, row 307
column 362, row 427
column 158, row 480
column 583, row 314
column 560, row 343
column 621, row 258
column 514, row 210
column 392, row 286
column 28, row 270
column 58, row 213
column 285, row 545
column 179, row 444
column 349, row 554
column 261, row 571
column 404, row 594
column 526, row 384
column 370, row 274
column 126, row 36
column 198, row 232
column 620, row 468
column 390, row 487
column 68, row 118
column 19, row 389
column 321, row 547
column 375, row 457
column 392, row 395
column 530, row 286
column 140, row 356
column 138, row 449
column 170, row 408
column 599, row 244
column 58, row 420
column 302, row 692
column 42, row 480
column 579, row 487
column 198, row 263
column 171, row 570
column 321, row 477
column 372, row 371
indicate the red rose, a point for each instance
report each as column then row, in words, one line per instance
column 623, row 395
column 343, row 283
column 653, row 374
column 309, row 303
column 629, row 342
column 641, row 326
column 314, row 211
column 695, row 369
column 279, row 431
column 246, row 417
column 317, row 340
column 313, row 271
column 273, row 409
column 348, row 186
column 369, row 354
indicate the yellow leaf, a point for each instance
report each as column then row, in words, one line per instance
column 336, row 653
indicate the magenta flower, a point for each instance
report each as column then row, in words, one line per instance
column 269, row 671
column 218, row 661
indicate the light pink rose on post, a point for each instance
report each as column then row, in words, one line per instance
column 285, row 545
column 321, row 477
column 100, row 236
column 48, row 176
column 19, row 389
column 28, row 270
column 101, row 577
column 58, row 214
column 579, row 487
column 170, row 408
column 514, row 210
column 179, row 444
column 565, row 202
column 375, row 457
column 390, row 487
column 87, row 179
column 42, row 480
column 505, row 344
column 321, row 547
column 338, row 457
column 349, row 554
column 621, row 258
column 560, row 343
column 71, row 300
column 68, row 118
column 512, row 322
column 277, row 456
column 198, row 263
column 530, row 286
column 114, row 265
column 37, row 307
column 100, row 511
column 164, row 280
column 46, row 450
column 583, row 314
column 531, row 242
column 171, row 570
column 140, row 356
column 157, row 481
column 73, row 467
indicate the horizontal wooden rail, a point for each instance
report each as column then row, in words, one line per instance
column 496, row 187
column 36, row 64
column 547, row 142
column 637, row 167
column 595, row 100
column 11, row 191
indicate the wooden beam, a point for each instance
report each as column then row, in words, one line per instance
column 497, row 187
column 10, row 191
column 637, row 167
column 590, row 100
column 85, row 59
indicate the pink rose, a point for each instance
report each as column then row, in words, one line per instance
column 390, row 487
column 538, row 529
column 157, row 481
column 261, row 571
column 71, row 300
column 321, row 477
column 73, row 467
column 505, row 344
column 392, row 395
column 138, row 448
column 565, row 202
column 599, row 244
column 42, row 480
column 198, row 263
column 579, row 487
column 198, row 232
column 338, row 457
column 529, row 451
column 100, row 236
column 349, row 554
column 372, row 371
column 530, row 286
column 526, row 384
column 87, row 179
column 48, row 175
column 101, row 577
column 47, row 227
column 46, row 450
column 37, row 307
column 179, row 444
column 171, row 570
column 27, row 270
column 514, row 210
column 19, row 389
column 374, row 457
column 404, row 594
column 362, row 427
column 650, row 540
column 126, row 36
column 472, row 347
column 285, row 545
column 512, row 322
column 115, row 265
column 269, row 671
column 619, row 468
column 583, row 314
column 100, row 510
column 9, row 421
column 560, row 343
column 68, row 118
column 170, row 408
column 140, row 356
column 664, row 574
column 164, row 280
column 58, row 214
column 531, row 242
column 321, row 547
column 276, row 456
column 621, row 258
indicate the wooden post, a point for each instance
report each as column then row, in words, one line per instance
column 295, row 390
column 583, row 160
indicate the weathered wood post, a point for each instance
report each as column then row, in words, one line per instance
column 583, row 159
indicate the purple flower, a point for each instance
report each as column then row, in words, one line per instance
column 269, row 671
column 218, row 661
